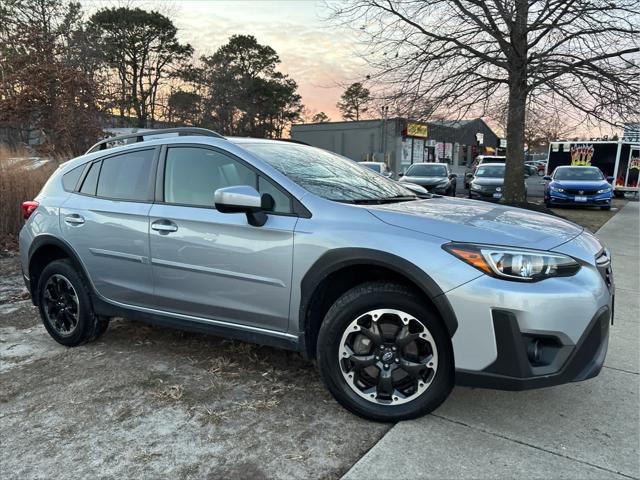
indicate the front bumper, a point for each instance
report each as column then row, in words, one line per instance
column 486, row 194
column 558, row 198
column 560, row 361
column 501, row 324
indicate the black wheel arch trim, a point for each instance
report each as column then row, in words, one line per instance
column 338, row 259
column 45, row 240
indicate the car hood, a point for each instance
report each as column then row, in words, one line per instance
column 488, row 181
column 425, row 180
column 463, row 220
column 581, row 184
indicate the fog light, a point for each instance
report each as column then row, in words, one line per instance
column 534, row 351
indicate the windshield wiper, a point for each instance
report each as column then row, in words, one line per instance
column 380, row 201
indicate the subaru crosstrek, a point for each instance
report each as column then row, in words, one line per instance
column 396, row 298
column 578, row 186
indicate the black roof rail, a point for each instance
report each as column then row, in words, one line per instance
column 139, row 136
column 291, row 140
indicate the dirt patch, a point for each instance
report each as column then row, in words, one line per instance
column 156, row 402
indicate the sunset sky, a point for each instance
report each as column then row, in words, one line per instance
column 319, row 56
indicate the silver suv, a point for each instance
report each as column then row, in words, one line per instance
column 396, row 298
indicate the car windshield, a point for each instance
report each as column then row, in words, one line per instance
column 329, row 175
column 372, row 166
column 494, row 171
column 434, row 170
column 578, row 173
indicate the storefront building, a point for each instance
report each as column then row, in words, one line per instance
column 400, row 142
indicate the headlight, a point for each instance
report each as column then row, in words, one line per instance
column 476, row 187
column 557, row 189
column 604, row 190
column 514, row 263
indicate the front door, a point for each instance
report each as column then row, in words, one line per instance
column 215, row 265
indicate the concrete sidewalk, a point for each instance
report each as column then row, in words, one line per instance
column 581, row 430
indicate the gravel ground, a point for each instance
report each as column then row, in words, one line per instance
column 150, row 402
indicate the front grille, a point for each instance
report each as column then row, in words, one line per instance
column 575, row 191
column 603, row 262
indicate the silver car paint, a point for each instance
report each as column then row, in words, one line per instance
column 217, row 266
column 251, row 264
column 464, row 220
column 113, row 242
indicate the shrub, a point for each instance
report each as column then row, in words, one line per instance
column 21, row 178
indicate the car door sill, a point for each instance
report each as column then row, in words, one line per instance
column 192, row 318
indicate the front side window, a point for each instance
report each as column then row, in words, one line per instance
column 125, row 176
column 327, row 174
column 193, row 174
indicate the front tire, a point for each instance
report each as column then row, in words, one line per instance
column 384, row 354
column 65, row 306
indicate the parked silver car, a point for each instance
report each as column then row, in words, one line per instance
column 394, row 297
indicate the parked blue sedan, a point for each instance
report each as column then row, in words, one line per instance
column 578, row 186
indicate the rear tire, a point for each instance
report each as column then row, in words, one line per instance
column 65, row 306
column 420, row 368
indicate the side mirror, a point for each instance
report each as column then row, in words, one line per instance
column 453, row 175
column 547, row 177
column 244, row 199
column 609, row 179
column 469, row 175
column 400, row 175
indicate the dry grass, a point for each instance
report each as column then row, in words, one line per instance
column 19, row 182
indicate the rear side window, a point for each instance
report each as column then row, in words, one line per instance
column 126, row 176
column 91, row 180
column 70, row 179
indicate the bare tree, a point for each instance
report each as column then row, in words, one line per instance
column 466, row 56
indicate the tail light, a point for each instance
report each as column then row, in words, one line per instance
column 28, row 208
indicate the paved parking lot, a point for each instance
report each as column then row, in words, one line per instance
column 153, row 402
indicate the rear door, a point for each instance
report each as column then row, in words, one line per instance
column 214, row 265
column 106, row 223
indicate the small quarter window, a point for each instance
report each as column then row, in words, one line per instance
column 70, row 179
column 282, row 202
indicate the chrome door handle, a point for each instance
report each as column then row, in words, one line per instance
column 74, row 219
column 164, row 226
